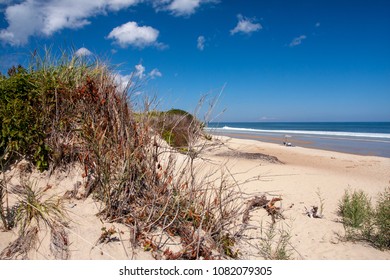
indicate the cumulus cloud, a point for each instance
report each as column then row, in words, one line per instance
column 184, row 7
column 124, row 81
column 28, row 18
column 180, row 7
column 139, row 71
column 200, row 42
column 117, row 5
column 83, row 52
column 43, row 18
column 132, row 34
column 155, row 73
column 245, row 25
column 297, row 41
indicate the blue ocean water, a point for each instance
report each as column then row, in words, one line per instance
column 366, row 138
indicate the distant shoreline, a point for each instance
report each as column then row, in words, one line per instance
column 343, row 145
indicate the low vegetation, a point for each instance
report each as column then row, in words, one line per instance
column 362, row 221
column 176, row 127
column 275, row 243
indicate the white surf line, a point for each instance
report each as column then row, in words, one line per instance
column 303, row 132
column 307, row 135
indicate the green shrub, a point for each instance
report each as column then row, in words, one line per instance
column 382, row 220
column 355, row 209
column 21, row 125
column 168, row 136
column 362, row 221
column 177, row 127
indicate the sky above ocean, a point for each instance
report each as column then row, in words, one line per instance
column 323, row 60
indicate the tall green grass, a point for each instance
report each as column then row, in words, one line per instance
column 362, row 221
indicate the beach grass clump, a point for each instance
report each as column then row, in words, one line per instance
column 382, row 220
column 33, row 210
column 275, row 243
column 364, row 222
column 355, row 209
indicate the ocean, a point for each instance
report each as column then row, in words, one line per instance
column 364, row 138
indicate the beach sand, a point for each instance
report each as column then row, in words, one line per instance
column 301, row 177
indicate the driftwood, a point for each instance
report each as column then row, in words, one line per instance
column 273, row 211
column 263, row 202
column 251, row 204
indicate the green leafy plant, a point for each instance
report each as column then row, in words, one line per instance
column 382, row 220
column 355, row 209
column 21, row 119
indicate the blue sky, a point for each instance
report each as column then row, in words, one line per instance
column 273, row 60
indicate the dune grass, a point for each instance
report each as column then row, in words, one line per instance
column 363, row 221
column 66, row 110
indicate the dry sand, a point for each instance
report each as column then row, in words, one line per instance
column 302, row 174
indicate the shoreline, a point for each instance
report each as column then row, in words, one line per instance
column 348, row 146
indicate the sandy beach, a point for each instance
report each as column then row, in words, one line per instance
column 300, row 176
column 303, row 174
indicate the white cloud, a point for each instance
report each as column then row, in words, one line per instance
column 132, row 34
column 318, row 24
column 43, row 18
column 28, row 18
column 184, row 7
column 180, row 7
column 200, row 42
column 83, row 52
column 245, row 25
column 139, row 71
column 297, row 41
column 155, row 73
column 117, row 5
column 123, row 81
